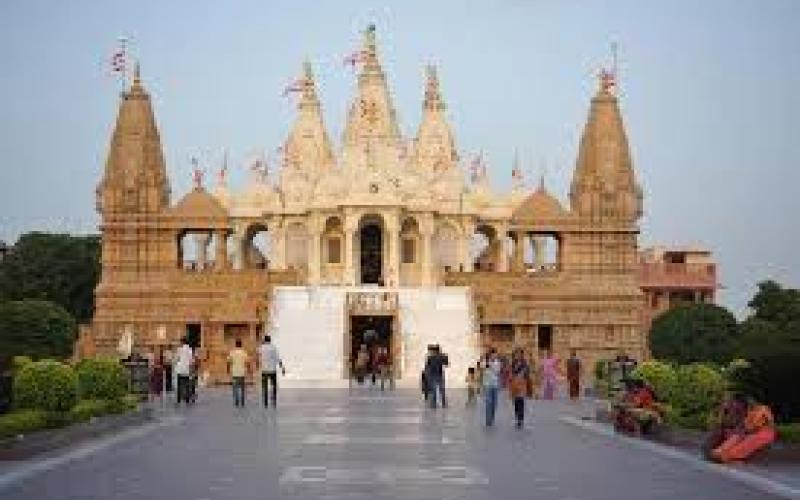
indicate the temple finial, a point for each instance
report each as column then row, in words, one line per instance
column 433, row 97
column 541, row 183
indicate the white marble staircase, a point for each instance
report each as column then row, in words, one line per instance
column 308, row 324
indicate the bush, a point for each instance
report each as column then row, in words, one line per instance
column 19, row 362
column 698, row 392
column 694, row 333
column 36, row 328
column 87, row 409
column 100, row 378
column 660, row 376
column 46, row 385
column 22, row 422
column 789, row 433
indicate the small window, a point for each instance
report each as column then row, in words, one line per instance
column 334, row 251
column 409, row 251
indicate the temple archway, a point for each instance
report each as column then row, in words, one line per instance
column 370, row 250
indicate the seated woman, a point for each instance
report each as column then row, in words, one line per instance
column 757, row 433
column 730, row 419
column 637, row 412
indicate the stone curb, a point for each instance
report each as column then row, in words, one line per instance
column 30, row 445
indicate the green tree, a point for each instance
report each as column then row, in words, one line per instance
column 57, row 267
column 771, row 344
column 36, row 328
column 695, row 333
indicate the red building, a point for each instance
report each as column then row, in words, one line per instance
column 672, row 276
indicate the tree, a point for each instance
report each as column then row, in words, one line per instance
column 57, row 267
column 36, row 328
column 771, row 344
column 695, row 333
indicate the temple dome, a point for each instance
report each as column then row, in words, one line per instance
column 199, row 203
column 540, row 204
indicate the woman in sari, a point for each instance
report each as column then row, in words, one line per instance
column 518, row 386
column 550, row 375
column 757, row 433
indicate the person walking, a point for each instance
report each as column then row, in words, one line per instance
column 549, row 375
column 184, row 359
column 270, row 360
column 382, row 364
column 238, row 366
column 434, row 373
column 492, row 368
column 574, row 375
column 519, row 383
column 168, row 375
column 157, row 378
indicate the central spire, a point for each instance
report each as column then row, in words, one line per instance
column 434, row 146
column 371, row 134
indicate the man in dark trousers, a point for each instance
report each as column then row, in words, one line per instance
column 434, row 374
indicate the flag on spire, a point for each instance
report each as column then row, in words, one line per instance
column 357, row 57
column 197, row 173
column 296, row 85
column 119, row 58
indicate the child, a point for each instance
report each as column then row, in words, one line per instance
column 472, row 386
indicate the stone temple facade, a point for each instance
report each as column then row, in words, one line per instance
column 383, row 240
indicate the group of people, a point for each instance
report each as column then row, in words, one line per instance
column 743, row 426
column 184, row 367
column 492, row 374
column 373, row 363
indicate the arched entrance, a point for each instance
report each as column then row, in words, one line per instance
column 371, row 252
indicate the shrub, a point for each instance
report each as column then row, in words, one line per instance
column 789, row 433
column 698, row 391
column 660, row 376
column 22, row 422
column 36, row 328
column 100, row 378
column 695, row 333
column 87, row 409
column 46, row 385
column 19, row 362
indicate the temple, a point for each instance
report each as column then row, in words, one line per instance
column 382, row 239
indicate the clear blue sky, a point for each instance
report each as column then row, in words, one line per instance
column 709, row 91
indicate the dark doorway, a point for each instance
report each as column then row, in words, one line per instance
column 371, row 254
column 193, row 334
column 371, row 331
column 544, row 337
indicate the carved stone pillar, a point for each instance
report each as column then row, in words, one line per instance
column 502, row 248
column 392, row 267
column 464, row 243
column 221, row 258
column 519, row 251
column 314, row 243
column 350, row 227
column 278, row 245
column 426, row 253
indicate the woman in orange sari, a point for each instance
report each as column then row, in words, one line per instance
column 758, row 433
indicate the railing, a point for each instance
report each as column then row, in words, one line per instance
column 372, row 302
column 667, row 274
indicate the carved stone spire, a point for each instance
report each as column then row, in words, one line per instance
column 604, row 183
column 308, row 146
column 135, row 178
column 434, row 146
column 371, row 133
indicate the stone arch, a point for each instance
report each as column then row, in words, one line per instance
column 257, row 246
column 446, row 246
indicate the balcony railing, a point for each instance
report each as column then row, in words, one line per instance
column 672, row 275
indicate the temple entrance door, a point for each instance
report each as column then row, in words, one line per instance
column 373, row 332
column 371, row 261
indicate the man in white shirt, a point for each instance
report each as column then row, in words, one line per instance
column 270, row 360
column 184, row 357
column 238, row 366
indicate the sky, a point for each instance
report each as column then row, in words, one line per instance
column 708, row 91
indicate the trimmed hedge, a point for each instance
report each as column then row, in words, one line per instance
column 698, row 392
column 660, row 376
column 87, row 409
column 789, row 433
column 22, row 422
column 46, row 385
column 101, row 378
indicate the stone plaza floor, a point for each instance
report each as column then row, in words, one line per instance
column 364, row 444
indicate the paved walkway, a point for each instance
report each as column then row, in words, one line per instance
column 364, row 444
